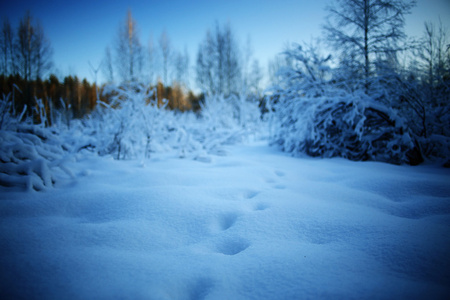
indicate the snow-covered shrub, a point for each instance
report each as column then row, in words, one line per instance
column 129, row 124
column 349, row 126
column 30, row 155
column 315, row 115
column 8, row 118
column 133, row 124
column 427, row 115
column 227, row 120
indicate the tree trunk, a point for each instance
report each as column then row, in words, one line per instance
column 366, row 45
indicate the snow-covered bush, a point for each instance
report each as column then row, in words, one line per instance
column 30, row 155
column 227, row 120
column 126, row 126
column 428, row 117
column 8, row 117
column 316, row 115
column 349, row 126
column 133, row 124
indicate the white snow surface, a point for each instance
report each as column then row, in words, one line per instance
column 253, row 224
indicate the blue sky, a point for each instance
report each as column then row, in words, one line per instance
column 79, row 31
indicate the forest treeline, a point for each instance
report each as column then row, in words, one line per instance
column 365, row 91
column 80, row 97
column 27, row 66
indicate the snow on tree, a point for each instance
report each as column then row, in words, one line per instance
column 315, row 115
column 107, row 66
column 218, row 67
column 365, row 29
column 129, row 52
column 134, row 124
column 166, row 53
column 31, row 156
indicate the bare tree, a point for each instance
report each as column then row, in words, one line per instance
column 367, row 28
column 33, row 49
column 251, row 71
column 23, row 46
column 43, row 52
column 218, row 64
column 129, row 58
column 151, row 60
column 206, row 60
column 275, row 65
column 33, row 55
column 166, row 51
column 232, row 67
column 107, row 68
column 434, row 65
column 181, row 64
column 432, row 53
column 94, row 71
column 248, row 53
column 7, row 48
column 255, row 77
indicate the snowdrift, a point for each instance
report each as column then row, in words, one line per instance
column 255, row 224
column 30, row 157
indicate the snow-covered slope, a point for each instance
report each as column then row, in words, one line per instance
column 255, row 224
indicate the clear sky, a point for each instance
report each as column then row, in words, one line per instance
column 79, row 31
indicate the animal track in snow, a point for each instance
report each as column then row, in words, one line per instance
column 279, row 187
column 270, row 180
column 232, row 246
column 227, row 220
column 261, row 206
column 251, row 194
column 200, row 288
column 279, row 173
column 275, row 183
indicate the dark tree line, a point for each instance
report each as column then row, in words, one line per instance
column 26, row 65
column 73, row 96
column 221, row 69
column 26, row 53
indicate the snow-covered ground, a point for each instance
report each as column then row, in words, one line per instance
column 254, row 224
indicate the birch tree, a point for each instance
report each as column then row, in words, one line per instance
column 366, row 29
column 7, row 49
column 33, row 49
column 218, row 62
column 166, row 51
column 129, row 59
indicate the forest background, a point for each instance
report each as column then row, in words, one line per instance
column 382, row 77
